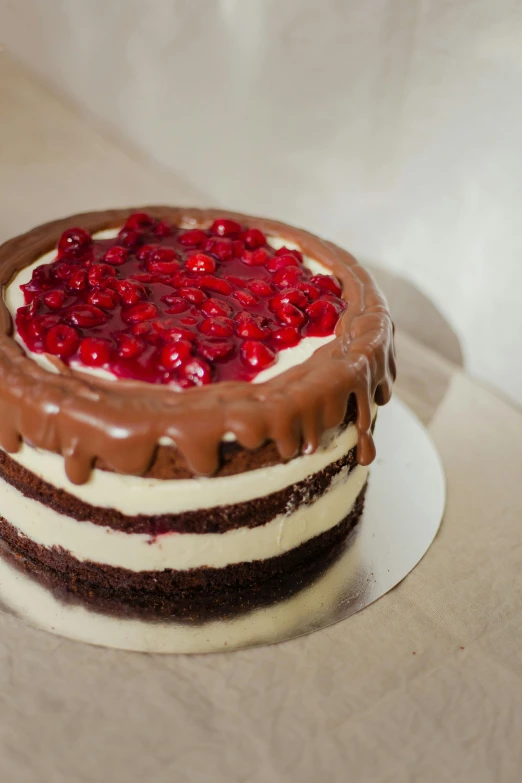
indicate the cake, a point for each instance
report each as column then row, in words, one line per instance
column 187, row 401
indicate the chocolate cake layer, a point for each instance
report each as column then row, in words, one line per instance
column 219, row 519
column 184, row 593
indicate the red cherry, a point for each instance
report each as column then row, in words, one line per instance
column 194, row 295
column 86, row 315
column 256, row 258
column 323, row 316
column 74, row 242
column 130, row 292
column 175, row 354
column 63, row 271
column 103, row 298
column 216, row 284
column 219, row 326
column 260, row 287
column 309, row 290
column 290, row 315
column 201, row 263
column 281, row 262
column 224, row 249
column 130, row 346
column 162, row 261
column 195, row 372
column 144, row 251
column 216, row 307
column 139, row 221
column 163, row 229
column 288, row 277
column 245, row 298
column 283, row 251
column 138, row 313
column 289, row 296
column 286, row 336
column 39, row 325
column 250, row 327
column 223, row 227
column 257, row 355
column 142, row 329
column 99, row 274
column 94, row 351
column 176, row 304
column 129, row 238
column 54, row 299
column 116, row 255
column 254, row 238
column 327, row 283
column 78, row 281
column 215, row 349
column 192, row 238
column 179, row 333
column 61, row 340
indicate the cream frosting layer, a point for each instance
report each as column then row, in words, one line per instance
column 133, row 495
column 182, row 551
column 286, row 359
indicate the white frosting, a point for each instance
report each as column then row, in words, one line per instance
column 289, row 357
column 137, row 495
column 181, row 551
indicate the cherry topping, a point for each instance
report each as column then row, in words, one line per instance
column 130, row 346
column 289, row 296
column 194, row 295
column 139, row 221
column 286, row 337
column 61, row 340
column 193, row 238
column 99, row 274
column 257, row 355
column 280, row 262
column 323, row 317
column 327, row 283
column 254, row 238
column 195, row 372
column 215, row 306
column 175, row 306
column 78, row 281
column 116, row 255
column 216, row 284
column 95, row 351
column 219, row 326
column 103, row 298
column 143, row 311
column 252, row 327
column 257, row 258
column 85, row 315
column 212, row 349
column 175, row 354
column 201, row 263
column 74, row 242
column 129, row 292
column 54, row 299
column 225, row 228
column 290, row 315
column 245, row 298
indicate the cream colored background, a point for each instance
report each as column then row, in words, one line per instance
column 392, row 126
column 424, row 686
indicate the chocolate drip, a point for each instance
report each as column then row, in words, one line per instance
column 84, row 418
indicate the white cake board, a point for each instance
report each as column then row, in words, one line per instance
column 403, row 510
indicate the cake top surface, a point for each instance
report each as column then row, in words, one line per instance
column 230, row 301
column 153, row 302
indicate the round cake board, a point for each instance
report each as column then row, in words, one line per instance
column 403, row 511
